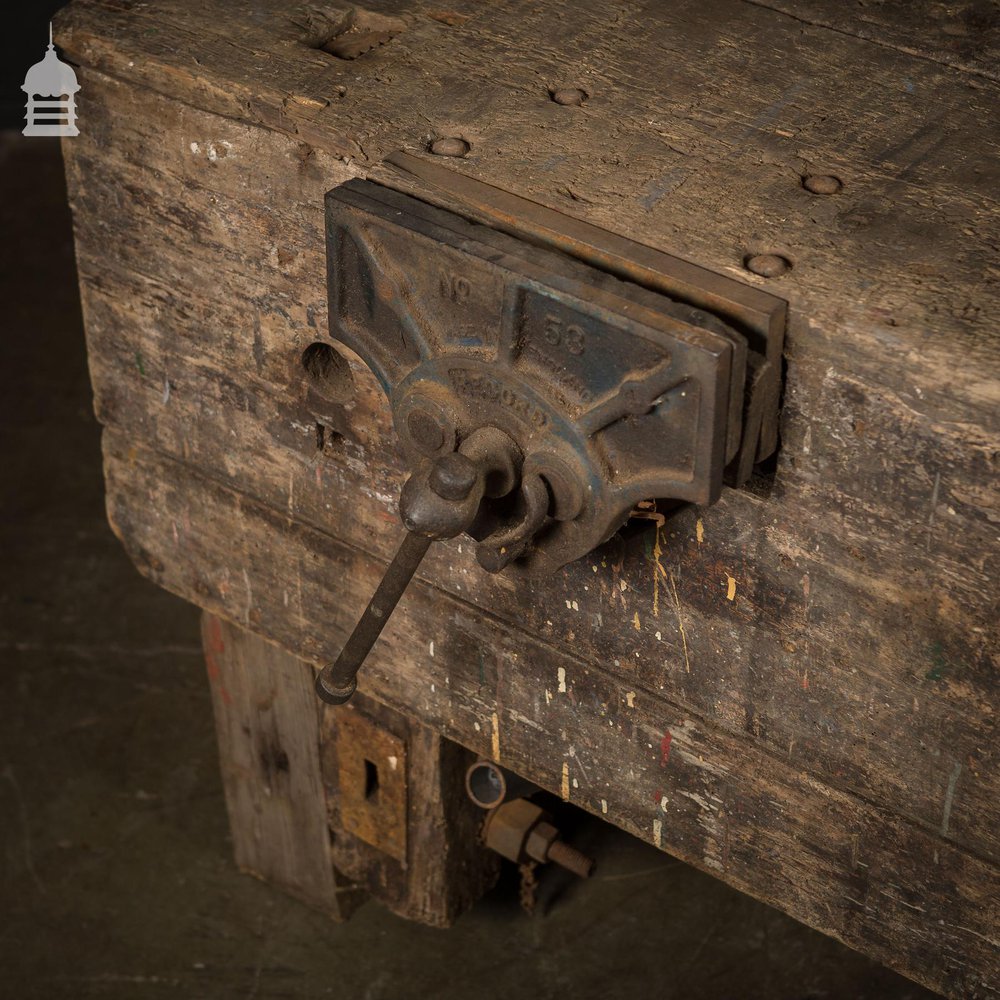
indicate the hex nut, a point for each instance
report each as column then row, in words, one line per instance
column 540, row 838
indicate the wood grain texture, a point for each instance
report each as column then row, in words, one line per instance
column 833, row 629
column 964, row 35
column 267, row 724
column 858, row 640
column 851, row 869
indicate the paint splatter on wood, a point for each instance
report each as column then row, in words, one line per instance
column 665, row 748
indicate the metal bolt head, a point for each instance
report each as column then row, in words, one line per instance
column 569, row 96
column 767, row 265
column 822, row 183
column 453, row 476
column 450, row 146
column 425, row 431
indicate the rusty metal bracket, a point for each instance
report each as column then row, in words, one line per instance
column 544, row 377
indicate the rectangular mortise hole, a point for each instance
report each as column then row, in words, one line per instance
column 371, row 780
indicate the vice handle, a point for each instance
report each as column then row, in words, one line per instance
column 337, row 681
column 439, row 502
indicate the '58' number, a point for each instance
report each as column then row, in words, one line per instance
column 557, row 332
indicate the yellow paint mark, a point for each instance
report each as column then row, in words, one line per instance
column 635, row 621
column 565, row 781
column 561, row 676
column 657, row 573
column 699, row 531
column 680, row 624
column 664, row 801
column 604, row 806
column 548, row 696
column 730, row 587
column 496, row 738
column 658, row 832
column 630, row 699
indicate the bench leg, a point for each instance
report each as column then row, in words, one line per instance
column 327, row 802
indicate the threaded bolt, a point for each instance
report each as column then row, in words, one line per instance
column 571, row 859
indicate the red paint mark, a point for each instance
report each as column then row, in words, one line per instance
column 213, row 645
column 658, row 796
column 215, row 635
column 215, row 676
column 805, row 682
column 665, row 748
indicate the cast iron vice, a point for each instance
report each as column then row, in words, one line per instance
column 544, row 376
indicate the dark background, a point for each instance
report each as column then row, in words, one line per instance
column 23, row 40
column 116, row 875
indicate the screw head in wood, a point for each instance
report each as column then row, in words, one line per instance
column 822, row 183
column 569, row 96
column 449, row 146
column 767, row 265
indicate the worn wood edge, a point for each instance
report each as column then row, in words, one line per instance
column 370, row 535
column 113, row 61
column 273, row 789
column 764, row 874
column 966, row 802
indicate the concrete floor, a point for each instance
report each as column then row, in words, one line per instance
column 116, row 876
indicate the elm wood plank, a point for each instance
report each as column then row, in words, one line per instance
column 419, row 852
column 704, row 159
column 964, row 35
column 267, row 725
column 847, row 867
column 875, row 507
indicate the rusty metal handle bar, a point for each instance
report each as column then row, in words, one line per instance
column 440, row 500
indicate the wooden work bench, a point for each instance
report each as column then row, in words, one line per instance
column 794, row 688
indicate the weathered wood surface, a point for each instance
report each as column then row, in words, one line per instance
column 836, row 627
column 284, row 759
column 965, row 35
column 267, row 724
column 834, row 861
column 419, row 852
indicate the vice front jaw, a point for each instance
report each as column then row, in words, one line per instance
column 613, row 393
column 538, row 398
